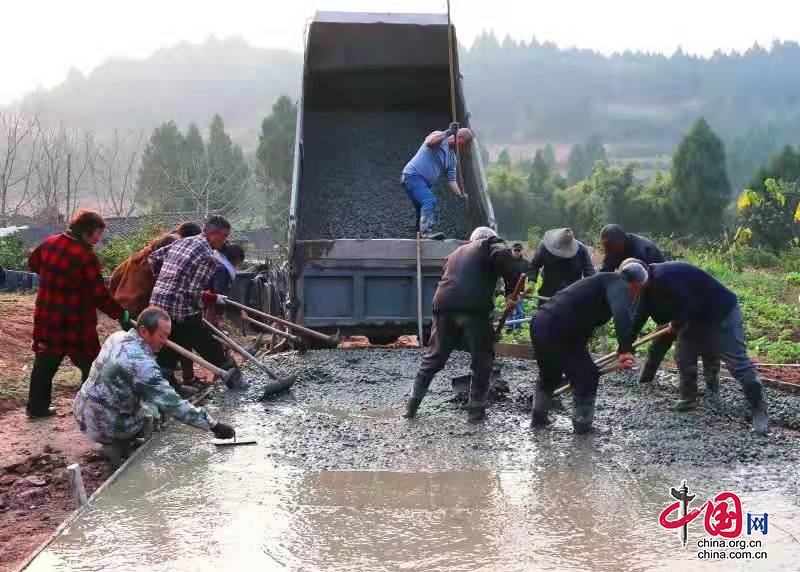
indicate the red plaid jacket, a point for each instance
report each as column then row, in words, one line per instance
column 71, row 289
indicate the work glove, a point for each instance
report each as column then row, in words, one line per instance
column 125, row 320
column 452, row 130
column 223, row 431
column 208, row 298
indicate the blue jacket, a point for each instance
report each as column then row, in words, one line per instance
column 680, row 293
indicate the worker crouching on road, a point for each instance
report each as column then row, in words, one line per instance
column 562, row 261
column 462, row 306
column 71, row 289
column 183, row 271
column 560, row 331
column 435, row 157
column 707, row 319
column 126, row 385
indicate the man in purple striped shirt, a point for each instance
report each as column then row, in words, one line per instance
column 183, row 270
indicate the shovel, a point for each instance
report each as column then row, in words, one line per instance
column 331, row 341
column 281, row 383
column 231, row 377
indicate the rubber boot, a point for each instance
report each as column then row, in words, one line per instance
column 711, row 376
column 648, row 372
column 542, row 403
column 475, row 414
column 426, row 229
column 411, row 407
column 582, row 415
column 688, row 393
column 758, row 407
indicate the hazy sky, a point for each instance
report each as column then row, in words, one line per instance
column 40, row 40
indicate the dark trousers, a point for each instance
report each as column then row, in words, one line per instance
column 660, row 346
column 41, row 388
column 450, row 331
column 557, row 355
column 190, row 333
column 725, row 340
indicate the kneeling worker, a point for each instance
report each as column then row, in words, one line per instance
column 462, row 306
column 125, row 384
column 560, row 331
column 706, row 317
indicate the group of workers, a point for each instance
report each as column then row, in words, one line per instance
column 634, row 284
column 166, row 287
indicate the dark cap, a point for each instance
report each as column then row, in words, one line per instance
column 517, row 246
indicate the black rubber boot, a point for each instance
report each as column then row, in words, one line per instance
column 648, row 373
column 758, row 407
column 475, row 414
column 542, row 403
column 711, row 376
column 582, row 415
column 688, row 393
column 411, row 407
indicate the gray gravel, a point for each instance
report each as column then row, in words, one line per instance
column 343, row 414
column 351, row 176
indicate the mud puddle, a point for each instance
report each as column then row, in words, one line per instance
column 337, row 483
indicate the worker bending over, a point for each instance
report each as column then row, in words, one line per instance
column 562, row 261
column 706, row 317
column 125, row 385
column 560, row 332
column 183, row 271
column 434, row 157
column 462, row 306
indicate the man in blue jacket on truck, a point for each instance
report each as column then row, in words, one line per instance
column 434, row 157
column 706, row 317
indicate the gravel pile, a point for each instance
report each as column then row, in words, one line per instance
column 351, row 176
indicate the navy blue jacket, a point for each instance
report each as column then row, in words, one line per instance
column 586, row 305
column 558, row 273
column 470, row 274
column 635, row 247
column 680, row 293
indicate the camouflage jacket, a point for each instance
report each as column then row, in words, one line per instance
column 123, row 382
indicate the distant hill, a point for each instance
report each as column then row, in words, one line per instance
column 520, row 94
column 186, row 82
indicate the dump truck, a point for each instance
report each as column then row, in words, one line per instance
column 373, row 87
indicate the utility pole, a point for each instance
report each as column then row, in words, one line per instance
column 66, row 211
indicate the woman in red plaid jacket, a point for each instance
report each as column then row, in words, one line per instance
column 71, row 289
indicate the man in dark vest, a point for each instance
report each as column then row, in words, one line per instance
column 560, row 331
column 706, row 317
column 462, row 306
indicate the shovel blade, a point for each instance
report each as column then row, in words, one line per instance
column 461, row 383
column 278, row 386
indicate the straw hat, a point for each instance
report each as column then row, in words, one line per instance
column 561, row 242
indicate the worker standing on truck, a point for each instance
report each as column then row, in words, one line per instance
column 706, row 317
column 462, row 306
column 619, row 246
column 562, row 261
column 125, row 385
column 434, row 157
column 183, row 271
column 560, row 331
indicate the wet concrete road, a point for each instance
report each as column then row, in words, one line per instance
column 338, row 482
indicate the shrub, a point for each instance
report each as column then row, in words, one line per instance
column 13, row 253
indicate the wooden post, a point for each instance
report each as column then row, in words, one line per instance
column 76, row 484
column 419, row 288
column 69, row 173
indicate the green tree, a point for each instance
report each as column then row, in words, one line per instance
column 700, row 187
column 227, row 172
column 275, row 150
column 583, row 158
column 503, row 158
column 158, row 184
column 769, row 216
column 783, row 166
column 512, row 203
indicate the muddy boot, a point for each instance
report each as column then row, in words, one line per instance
column 582, row 415
column 648, row 373
column 758, row 406
column 475, row 414
column 542, row 403
column 433, row 235
column 711, row 376
column 688, row 392
column 411, row 407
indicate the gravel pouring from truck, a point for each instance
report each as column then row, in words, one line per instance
column 373, row 87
